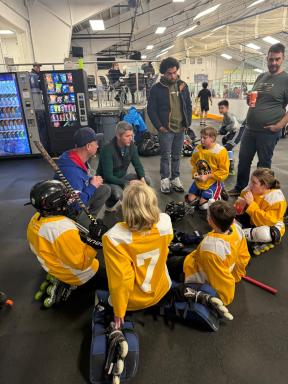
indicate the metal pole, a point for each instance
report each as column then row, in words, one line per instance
column 137, row 86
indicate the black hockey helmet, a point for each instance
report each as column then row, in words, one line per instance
column 49, row 196
column 176, row 210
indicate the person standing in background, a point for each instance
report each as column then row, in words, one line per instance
column 204, row 95
column 170, row 111
column 265, row 119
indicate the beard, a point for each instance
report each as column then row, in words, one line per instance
column 273, row 68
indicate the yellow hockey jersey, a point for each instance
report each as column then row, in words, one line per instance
column 219, row 260
column 56, row 242
column 268, row 209
column 136, row 265
column 217, row 162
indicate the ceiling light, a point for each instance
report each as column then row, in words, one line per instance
column 252, row 46
column 97, row 25
column 178, row 1
column 166, row 49
column 187, row 30
column 161, row 54
column 6, row 32
column 228, row 57
column 150, row 47
column 216, row 29
column 160, row 30
column 258, row 70
column 255, row 3
column 206, row 12
column 143, row 57
column 270, row 40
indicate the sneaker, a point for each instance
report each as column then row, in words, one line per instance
column 114, row 207
column 234, row 192
column 177, row 185
column 165, row 185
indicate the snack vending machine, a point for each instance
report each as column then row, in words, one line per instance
column 66, row 102
column 18, row 126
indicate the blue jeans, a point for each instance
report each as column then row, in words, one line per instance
column 171, row 145
column 262, row 143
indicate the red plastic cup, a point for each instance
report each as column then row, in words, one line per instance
column 240, row 205
column 252, row 98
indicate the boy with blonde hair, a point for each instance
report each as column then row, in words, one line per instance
column 210, row 167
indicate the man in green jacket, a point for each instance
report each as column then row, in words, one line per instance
column 115, row 158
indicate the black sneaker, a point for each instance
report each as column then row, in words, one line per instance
column 234, row 192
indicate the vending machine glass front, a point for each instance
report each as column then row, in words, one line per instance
column 13, row 132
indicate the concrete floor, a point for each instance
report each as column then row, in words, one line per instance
column 40, row 346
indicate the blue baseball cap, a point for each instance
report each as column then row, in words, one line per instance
column 85, row 135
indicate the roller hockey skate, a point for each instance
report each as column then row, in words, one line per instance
column 212, row 302
column 4, row 301
column 53, row 291
column 117, row 351
column 258, row 248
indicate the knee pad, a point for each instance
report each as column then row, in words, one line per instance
column 259, row 234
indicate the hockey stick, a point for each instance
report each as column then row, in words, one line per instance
column 62, row 178
column 260, row 285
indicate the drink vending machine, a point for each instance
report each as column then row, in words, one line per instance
column 65, row 94
column 18, row 126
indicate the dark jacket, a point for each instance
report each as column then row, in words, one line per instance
column 113, row 166
column 159, row 105
column 76, row 172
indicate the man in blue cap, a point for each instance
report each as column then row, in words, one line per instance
column 74, row 164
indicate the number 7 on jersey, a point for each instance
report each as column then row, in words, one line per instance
column 141, row 257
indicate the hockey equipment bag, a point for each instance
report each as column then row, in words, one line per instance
column 106, row 352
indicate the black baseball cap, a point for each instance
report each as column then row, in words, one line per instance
column 85, row 135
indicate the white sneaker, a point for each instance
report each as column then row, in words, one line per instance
column 114, row 207
column 165, row 185
column 177, row 185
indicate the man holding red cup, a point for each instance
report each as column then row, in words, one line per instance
column 265, row 118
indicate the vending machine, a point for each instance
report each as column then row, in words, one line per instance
column 66, row 102
column 18, row 126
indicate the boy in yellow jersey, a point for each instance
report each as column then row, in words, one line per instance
column 222, row 256
column 135, row 253
column 55, row 239
column 263, row 209
column 210, row 167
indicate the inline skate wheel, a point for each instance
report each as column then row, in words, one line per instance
column 44, row 285
column 49, row 290
column 48, row 302
column 38, row 295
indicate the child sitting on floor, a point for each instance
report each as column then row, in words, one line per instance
column 222, row 256
column 135, row 253
column 210, row 167
column 263, row 208
column 55, row 239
